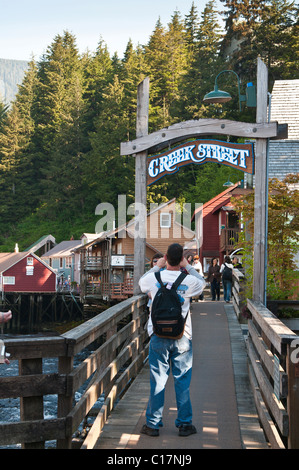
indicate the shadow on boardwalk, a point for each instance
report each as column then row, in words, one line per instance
column 223, row 407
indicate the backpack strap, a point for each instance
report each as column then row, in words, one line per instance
column 178, row 280
column 158, row 277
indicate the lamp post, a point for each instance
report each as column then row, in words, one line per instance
column 261, row 180
column 219, row 96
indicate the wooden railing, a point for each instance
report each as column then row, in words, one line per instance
column 95, row 263
column 273, row 351
column 116, row 290
column 238, row 277
column 122, row 352
column 229, row 237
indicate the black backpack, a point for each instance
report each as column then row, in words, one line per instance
column 227, row 274
column 166, row 313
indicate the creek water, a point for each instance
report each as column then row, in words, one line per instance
column 10, row 407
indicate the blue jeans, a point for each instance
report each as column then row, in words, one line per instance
column 163, row 354
column 227, row 288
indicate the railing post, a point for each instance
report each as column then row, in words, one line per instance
column 65, row 401
column 293, row 394
column 31, row 408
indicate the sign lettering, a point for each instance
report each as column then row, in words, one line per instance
column 239, row 156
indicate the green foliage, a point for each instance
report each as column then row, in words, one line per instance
column 283, row 236
column 60, row 138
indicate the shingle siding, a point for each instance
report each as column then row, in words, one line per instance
column 283, row 158
column 284, row 154
column 284, row 106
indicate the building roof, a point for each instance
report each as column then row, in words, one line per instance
column 7, row 260
column 63, row 249
column 41, row 242
column 89, row 236
column 218, row 201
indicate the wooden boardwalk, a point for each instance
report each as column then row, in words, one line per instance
column 223, row 407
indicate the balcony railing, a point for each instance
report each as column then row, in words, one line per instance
column 92, row 263
column 118, row 290
column 95, row 263
column 229, row 238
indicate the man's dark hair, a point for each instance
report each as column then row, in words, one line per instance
column 174, row 254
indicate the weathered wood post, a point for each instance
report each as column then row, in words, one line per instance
column 261, row 188
column 65, row 401
column 140, row 184
column 31, row 408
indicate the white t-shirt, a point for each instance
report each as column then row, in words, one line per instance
column 197, row 265
column 192, row 285
column 229, row 265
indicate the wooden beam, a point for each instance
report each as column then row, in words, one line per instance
column 140, row 184
column 183, row 130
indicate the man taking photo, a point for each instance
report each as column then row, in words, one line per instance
column 168, row 352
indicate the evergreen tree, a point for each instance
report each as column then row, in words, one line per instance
column 3, row 112
column 105, row 172
column 133, row 71
column 273, row 36
column 191, row 29
column 17, row 169
column 60, row 114
column 265, row 29
column 98, row 72
column 166, row 56
column 204, row 67
column 292, row 63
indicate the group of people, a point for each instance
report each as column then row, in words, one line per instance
column 216, row 274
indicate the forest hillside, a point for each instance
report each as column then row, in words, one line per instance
column 60, row 138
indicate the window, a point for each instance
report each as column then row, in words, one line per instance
column 9, row 280
column 29, row 261
column 68, row 262
column 165, row 220
column 29, row 270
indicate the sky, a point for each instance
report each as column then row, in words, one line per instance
column 28, row 27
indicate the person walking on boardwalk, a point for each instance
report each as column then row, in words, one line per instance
column 214, row 278
column 227, row 278
column 166, row 352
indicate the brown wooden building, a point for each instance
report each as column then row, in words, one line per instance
column 107, row 263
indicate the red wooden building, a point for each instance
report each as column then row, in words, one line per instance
column 25, row 272
column 220, row 226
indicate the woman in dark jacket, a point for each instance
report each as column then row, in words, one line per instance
column 214, row 277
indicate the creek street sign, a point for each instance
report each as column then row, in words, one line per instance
column 238, row 156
